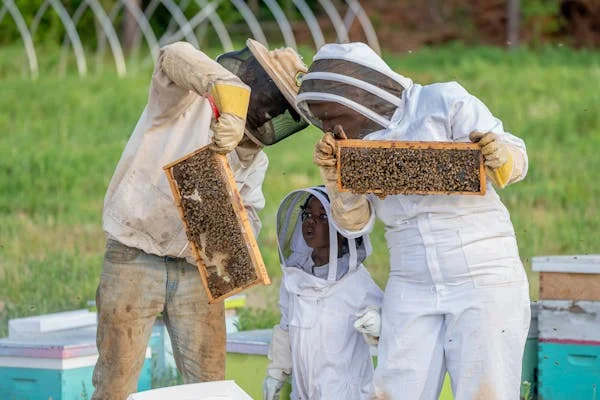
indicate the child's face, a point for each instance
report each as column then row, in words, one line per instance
column 315, row 225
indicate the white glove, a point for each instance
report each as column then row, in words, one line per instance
column 280, row 355
column 368, row 322
column 504, row 163
column 351, row 211
column 228, row 131
column 272, row 388
column 495, row 152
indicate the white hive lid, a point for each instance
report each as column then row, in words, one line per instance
column 48, row 323
column 581, row 264
column 218, row 390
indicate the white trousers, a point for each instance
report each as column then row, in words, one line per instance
column 476, row 334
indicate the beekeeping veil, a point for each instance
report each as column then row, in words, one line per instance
column 354, row 76
column 274, row 78
column 293, row 250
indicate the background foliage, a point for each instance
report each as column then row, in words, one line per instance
column 62, row 137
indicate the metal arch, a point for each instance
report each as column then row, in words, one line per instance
column 142, row 22
column 311, row 21
column 282, row 22
column 196, row 20
column 108, row 30
column 363, row 18
column 183, row 5
column 72, row 35
column 184, row 25
column 218, row 25
column 336, row 20
column 16, row 15
column 113, row 38
column 349, row 18
column 38, row 17
column 251, row 20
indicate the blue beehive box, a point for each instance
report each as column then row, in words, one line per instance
column 57, row 366
column 529, row 370
column 569, row 350
column 569, row 371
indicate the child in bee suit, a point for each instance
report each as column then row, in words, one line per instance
column 325, row 292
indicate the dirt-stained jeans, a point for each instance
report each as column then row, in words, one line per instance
column 134, row 288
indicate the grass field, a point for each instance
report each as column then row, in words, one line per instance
column 61, row 137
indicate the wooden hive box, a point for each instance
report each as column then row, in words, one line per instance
column 575, row 277
column 393, row 167
column 216, row 224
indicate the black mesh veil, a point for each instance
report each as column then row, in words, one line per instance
column 271, row 118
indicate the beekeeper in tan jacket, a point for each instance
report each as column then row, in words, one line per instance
column 236, row 104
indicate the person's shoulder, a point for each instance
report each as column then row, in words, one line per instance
column 444, row 92
column 445, row 89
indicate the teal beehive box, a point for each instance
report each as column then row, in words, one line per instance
column 569, row 350
column 529, row 370
column 57, row 367
column 569, row 371
column 41, row 361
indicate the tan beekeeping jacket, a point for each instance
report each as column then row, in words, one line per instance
column 139, row 210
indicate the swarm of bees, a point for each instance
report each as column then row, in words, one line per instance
column 212, row 224
column 398, row 170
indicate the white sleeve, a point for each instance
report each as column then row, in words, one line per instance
column 249, row 183
column 284, row 304
column 373, row 295
column 181, row 73
column 364, row 230
column 469, row 114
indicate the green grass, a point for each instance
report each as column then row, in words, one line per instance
column 61, row 137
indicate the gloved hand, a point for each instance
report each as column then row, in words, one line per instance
column 325, row 155
column 499, row 157
column 272, row 388
column 368, row 322
column 228, row 130
column 246, row 151
column 350, row 211
column 232, row 104
column 280, row 367
column 495, row 153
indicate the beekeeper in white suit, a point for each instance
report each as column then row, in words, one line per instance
column 324, row 290
column 457, row 297
column 236, row 104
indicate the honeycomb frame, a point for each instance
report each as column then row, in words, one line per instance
column 394, row 146
column 227, row 183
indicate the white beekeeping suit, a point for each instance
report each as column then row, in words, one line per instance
column 457, row 298
column 328, row 357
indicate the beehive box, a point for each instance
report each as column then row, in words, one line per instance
column 392, row 167
column 216, row 223
column 568, row 371
column 570, row 321
column 55, row 365
column 569, row 349
column 575, row 277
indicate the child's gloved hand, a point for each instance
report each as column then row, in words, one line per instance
column 272, row 388
column 368, row 322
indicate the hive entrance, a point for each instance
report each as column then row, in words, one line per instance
column 386, row 167
column 216, row 223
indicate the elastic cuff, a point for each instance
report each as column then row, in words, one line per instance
column 231, row 99
column 501, row 176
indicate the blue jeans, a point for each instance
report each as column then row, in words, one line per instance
column 134, row 288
